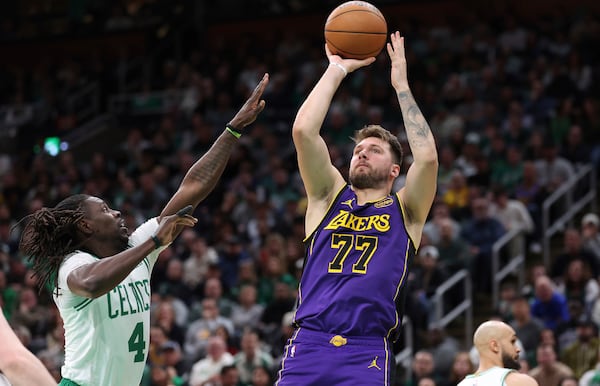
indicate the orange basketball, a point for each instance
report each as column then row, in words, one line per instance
column 355, row 29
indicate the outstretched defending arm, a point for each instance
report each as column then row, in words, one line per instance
column 203, row 176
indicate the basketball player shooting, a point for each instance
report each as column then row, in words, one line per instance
column 361, row 236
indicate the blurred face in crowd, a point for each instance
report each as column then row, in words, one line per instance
column 423, row 363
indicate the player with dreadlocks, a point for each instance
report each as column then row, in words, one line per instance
column 101, row 274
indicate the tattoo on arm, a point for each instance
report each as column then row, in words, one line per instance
column 417, row 128
column 208, row 169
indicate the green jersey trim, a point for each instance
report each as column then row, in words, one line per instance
column 83, row 304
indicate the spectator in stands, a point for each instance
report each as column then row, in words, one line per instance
column 549, row 305
column 432, row 228
column 251, row 356
column 247, row 312
column 230, row 256
column 209, row 369
column 199, row 331
column 213, row 289
column 174, row 362
column 461, row 367
column 553, row 170
column 566, row 332
column 575, row 149
column 444, row 348
column 457, row 195
column 262, row 376
column 427, row 382
column 573, row 249
column 275, row 272
column 590, row 234
column 481, row 232
column 527, row 327
column 577, row 283
column 509, row 174
column 196, row 263
column 532, row 194
column 229, row 376
column 549, row 371
column 284, row 300
column 173, row 284
column 422, row 367
column 581, row 355
column 453, row 249
column 428, row 272
column 568, row 381
column 514, row 216
column 592, row 376
column 164, row 315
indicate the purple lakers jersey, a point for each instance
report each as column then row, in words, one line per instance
column 356, row 269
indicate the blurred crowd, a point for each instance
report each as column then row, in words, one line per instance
column 514, row 106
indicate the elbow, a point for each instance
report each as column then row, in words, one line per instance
column 300, row 133
column 429, row 160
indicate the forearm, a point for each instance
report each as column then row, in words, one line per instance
column 418, row 133
column 204, row 174
column 98, row 278
column 313, row 111
column 22, row 368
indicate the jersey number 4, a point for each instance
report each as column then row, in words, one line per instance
column 344, row 244
column 137, row 343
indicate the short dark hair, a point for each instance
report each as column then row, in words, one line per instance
column 379, row 132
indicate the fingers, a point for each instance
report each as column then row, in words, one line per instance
column 397, row 42
column 260, row 87
column 185, row 210
column 186, row 220
column 260, row 106
column 367, row 61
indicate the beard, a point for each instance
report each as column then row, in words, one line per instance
column 509, row 362
column 365, row 180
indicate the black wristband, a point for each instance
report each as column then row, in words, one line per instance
column 157, row 243
column 233, row 131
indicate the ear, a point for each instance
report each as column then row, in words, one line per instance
column 494, row 346
column 395, row 172
column 84, row 227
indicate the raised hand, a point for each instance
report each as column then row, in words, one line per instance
column 349, row 65
column 399, row 74
column 170, row 226
column 253, row 106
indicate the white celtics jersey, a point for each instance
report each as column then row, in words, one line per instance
column 107, row 338
column 491, row 377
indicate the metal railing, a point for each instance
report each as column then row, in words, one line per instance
column 516, row 263
column 572, row 206
column 85, row 102
column 441, row 319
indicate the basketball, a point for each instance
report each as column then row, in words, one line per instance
column 355, row 30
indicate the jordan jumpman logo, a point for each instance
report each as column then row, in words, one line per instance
column 374, row 364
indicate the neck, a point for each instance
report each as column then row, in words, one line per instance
column 371, row 194
column 486, row 364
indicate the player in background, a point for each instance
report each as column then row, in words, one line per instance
column 101, row 273
column 361, row 236
column 495, row 342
